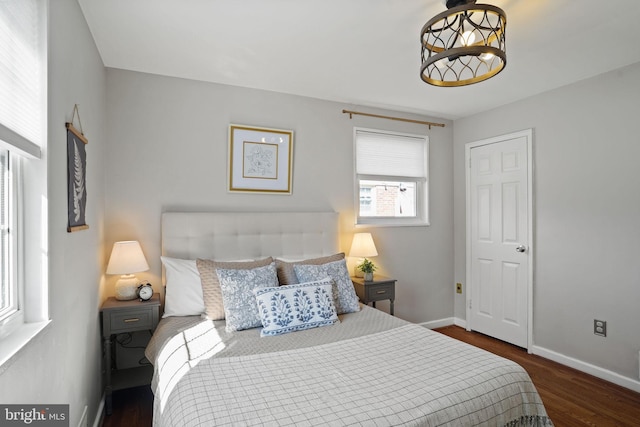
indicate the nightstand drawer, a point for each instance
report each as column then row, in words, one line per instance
column 132, row 320
column 380, row 292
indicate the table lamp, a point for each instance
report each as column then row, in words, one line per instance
column 362, row 247
column 127, row 258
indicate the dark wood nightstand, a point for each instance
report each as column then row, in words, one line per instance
column 120, row 317
column 378, row 289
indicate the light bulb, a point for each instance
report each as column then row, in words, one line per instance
column 467, row 38
column 442, row 63
column 486, row 56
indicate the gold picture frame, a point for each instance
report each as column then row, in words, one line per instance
column 260, row 160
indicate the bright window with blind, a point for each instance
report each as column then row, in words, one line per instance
column 391, row 176
column 23, row 284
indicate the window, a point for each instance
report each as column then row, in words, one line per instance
column 391, row 178
column 8, row 285
column 23, row 268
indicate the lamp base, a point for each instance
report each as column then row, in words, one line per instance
column 127, row 287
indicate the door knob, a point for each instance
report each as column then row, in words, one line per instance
column 521, row 248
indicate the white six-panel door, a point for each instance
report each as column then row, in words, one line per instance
column 498, row 237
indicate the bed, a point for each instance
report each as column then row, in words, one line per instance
column 354, row 365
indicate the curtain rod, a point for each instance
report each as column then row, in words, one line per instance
column 351, row 113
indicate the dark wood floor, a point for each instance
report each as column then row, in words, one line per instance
column 572, row 398
column 132, row 407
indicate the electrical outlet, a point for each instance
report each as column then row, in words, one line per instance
column 600, row 327
column 458, row 288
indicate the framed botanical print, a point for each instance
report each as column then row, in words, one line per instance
column 260, row 160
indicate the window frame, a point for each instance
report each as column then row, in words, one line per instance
column 12, row 318
column 422, row 186
column 27, row 150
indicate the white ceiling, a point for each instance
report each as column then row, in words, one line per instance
column 359, row 52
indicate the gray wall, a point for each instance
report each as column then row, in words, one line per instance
column 167, row 148
column 168, row 142
column 586, row 214
column 62, row 365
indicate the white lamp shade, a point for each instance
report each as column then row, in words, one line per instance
column 127, row 258
column 363, row 246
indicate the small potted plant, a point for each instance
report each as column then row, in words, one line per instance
column 367, row 267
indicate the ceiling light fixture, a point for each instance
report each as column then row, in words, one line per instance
column 463, row 45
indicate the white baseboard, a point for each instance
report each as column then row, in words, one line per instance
column 83, row 417
column 441, row 323
column 460, row 322
column 438, row 323
column 99, row 413
column 588, row 368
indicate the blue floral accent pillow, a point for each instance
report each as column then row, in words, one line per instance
column 343, row 292
column 240, row 309
column 293, row 308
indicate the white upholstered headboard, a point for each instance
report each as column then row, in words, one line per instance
column 245, row 235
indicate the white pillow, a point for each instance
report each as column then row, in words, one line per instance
column 183, row 293
column 291, row 308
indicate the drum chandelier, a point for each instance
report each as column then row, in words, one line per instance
column 463, row 45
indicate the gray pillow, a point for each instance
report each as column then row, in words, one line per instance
column 211, row 292
column 343, row 291
column 286, row 274
column 240, row 308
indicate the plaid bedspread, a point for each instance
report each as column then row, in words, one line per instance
column 405, row 375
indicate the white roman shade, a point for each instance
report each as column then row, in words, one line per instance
column 22, row 71
column 390, row 154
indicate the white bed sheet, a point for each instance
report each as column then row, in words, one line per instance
column 371, row 369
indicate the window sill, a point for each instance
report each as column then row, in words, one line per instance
column 387, row 222
column 16, row 340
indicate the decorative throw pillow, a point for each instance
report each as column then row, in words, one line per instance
column 343, row 291
column 240, row 308
column 211, row 286
column 183, row 292
column 286, row 274
column 285, row 309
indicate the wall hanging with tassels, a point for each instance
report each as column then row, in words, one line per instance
column 76, row 175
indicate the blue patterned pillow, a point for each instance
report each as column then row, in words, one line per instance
column 240, row 309
column 291, row 308
column 343, row 292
